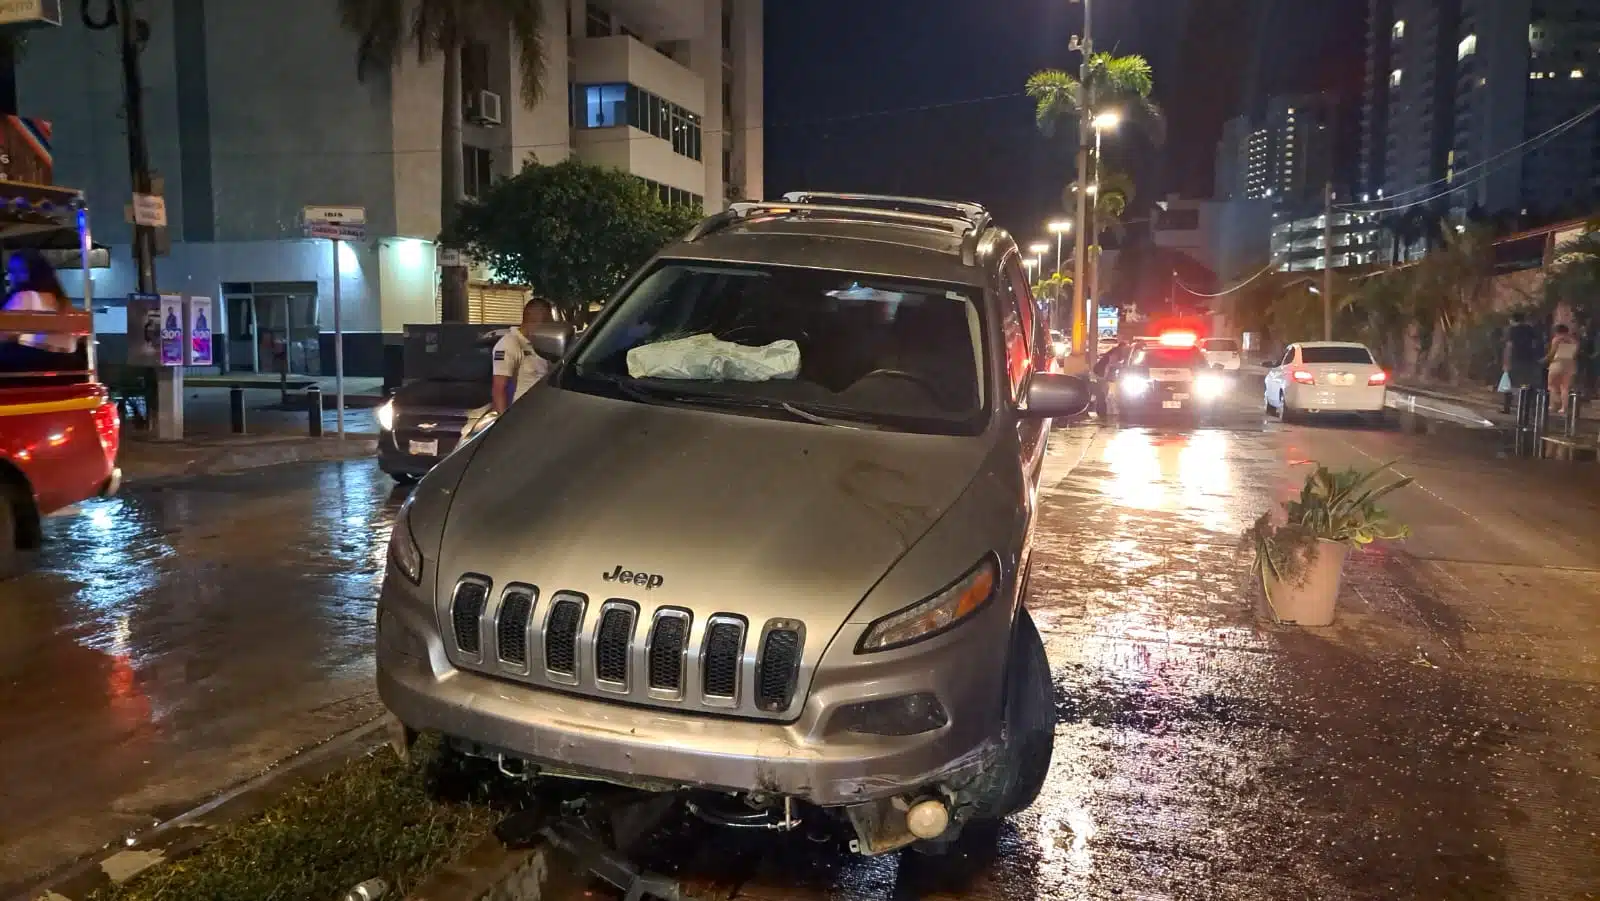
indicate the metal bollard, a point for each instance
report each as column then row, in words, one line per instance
column 1541, row 420
column 1524, row 441
column 1574, row 401
column 314, row 410
column 283, row 386
column 236, row 409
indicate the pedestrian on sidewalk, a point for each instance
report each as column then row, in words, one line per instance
column 516, row 367
column 1563, row 361
column 1521, row 363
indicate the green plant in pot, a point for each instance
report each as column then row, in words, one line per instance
column 1301, row 561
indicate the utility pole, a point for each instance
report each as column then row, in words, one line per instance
column 1327, row 261
column 1082, row 319
column 132, row 33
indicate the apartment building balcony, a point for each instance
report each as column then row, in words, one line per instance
column 622, row 59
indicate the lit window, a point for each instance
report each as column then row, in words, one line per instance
column 1394, row 79
column 1467, row 47
column 1399, row 30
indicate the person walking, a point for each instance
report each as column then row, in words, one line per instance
column 516, row 366
column 1520, row 361
column 1563, row 361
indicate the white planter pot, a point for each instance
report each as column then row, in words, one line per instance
column 1309, row 601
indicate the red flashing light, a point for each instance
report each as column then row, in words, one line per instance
column 1378, row 378
column 1178, row 339
column 1304, row 377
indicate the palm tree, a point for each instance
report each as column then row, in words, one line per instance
column 389, row 29
column 1114, row 81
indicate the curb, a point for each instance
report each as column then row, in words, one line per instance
column 188, row 832
column 212, row 460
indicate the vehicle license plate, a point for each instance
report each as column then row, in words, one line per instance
column 1343, row 378
column 1171, row 405
column 425, row 448
column 1180, row 397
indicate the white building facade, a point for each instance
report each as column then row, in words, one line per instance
column 254, row 111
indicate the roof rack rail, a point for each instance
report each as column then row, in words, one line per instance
column 969, row 230
column 972, row 212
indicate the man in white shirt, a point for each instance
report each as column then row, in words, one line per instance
column 516, row 367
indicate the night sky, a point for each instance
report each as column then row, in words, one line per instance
column 925, row 96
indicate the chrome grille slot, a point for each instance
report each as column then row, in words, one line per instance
column 721, row 660
column 511, row 625
column 668, row 645
column 561, row 638
column 613, row 645
column 778, row 665
column 466, row 608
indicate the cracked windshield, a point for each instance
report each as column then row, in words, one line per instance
column 608, row 450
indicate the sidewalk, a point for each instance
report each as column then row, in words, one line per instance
column 1487, row 403
column 143, row 458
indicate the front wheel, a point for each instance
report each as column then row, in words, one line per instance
column 1016, row 778
column 14, row 558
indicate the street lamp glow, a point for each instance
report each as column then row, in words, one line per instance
column 1107, row 121
column 1039, row 248
column 1059, row 226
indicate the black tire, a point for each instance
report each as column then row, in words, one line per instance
column 404, row 478
column 1017, row 777
column 15, row 559
column 1283, row 410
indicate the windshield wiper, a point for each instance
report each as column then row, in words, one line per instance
column 651, row 394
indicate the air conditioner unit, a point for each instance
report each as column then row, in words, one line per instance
column 483, row 108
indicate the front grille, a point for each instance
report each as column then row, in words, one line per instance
column 669, row 638
column 778, row 667
column 466, row 607
column 720, row 662
column 613, row 642
column 622, row 650
column 511, row 629
column 561, row 636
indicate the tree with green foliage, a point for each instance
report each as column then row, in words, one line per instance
column 1122, row 83
column 388, row 30
column 572, row 232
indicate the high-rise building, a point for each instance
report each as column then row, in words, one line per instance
column 253, row 111
column 1524, row 70
column 1480, row 96
column 1286, row 156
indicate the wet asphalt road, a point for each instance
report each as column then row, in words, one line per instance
column 1442, row 741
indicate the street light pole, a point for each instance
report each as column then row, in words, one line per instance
column 1327, row 261
column 1082, row 317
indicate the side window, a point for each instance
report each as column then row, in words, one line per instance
column 1016, row 324
column 1288, row 356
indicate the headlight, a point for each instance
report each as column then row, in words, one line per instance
column 928, row 618
column 1061, row 348
column 403, row 550
column 386, row 416
column 1135, row 385
column 1210, row 386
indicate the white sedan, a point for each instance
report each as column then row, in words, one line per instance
column 1326, row 377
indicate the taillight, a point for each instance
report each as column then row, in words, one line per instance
column 108, row 428
column 1303, row 377
column 1378, row 378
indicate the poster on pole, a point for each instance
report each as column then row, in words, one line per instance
column 144, row 330
column 200, row 313
column 171, row 330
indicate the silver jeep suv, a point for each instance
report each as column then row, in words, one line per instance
column 762, row 536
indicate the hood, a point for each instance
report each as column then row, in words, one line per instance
column 718, row 513
column 437, row 395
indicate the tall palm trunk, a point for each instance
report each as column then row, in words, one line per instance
column 453, row 279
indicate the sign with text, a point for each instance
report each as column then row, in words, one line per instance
column 336, row 231
column 150, row 210
column 25, row 153
column 144, row 330
column 340, row 215
column 200, row 313
column 171, row 330
column 1107, row 321
column 30, row 12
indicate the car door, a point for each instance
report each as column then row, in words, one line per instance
column 1017, row 330
column 1276, row 375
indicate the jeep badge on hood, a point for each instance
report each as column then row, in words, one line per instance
column 629, row 577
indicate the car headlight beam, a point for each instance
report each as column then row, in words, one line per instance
column 386, row 416
column 403, row 550
column 1210, row 386
column 927, row 618
column 1135, row 385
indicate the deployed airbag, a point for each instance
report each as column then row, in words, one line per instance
column 706, row 358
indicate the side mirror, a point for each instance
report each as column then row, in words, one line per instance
column 550, row 340
column 1052, row 396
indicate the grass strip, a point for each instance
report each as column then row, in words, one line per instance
column 377, row 816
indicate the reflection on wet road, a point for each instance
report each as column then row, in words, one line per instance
column 177, row 640
column 1440, row 742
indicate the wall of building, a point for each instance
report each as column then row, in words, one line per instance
column 749, row 92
